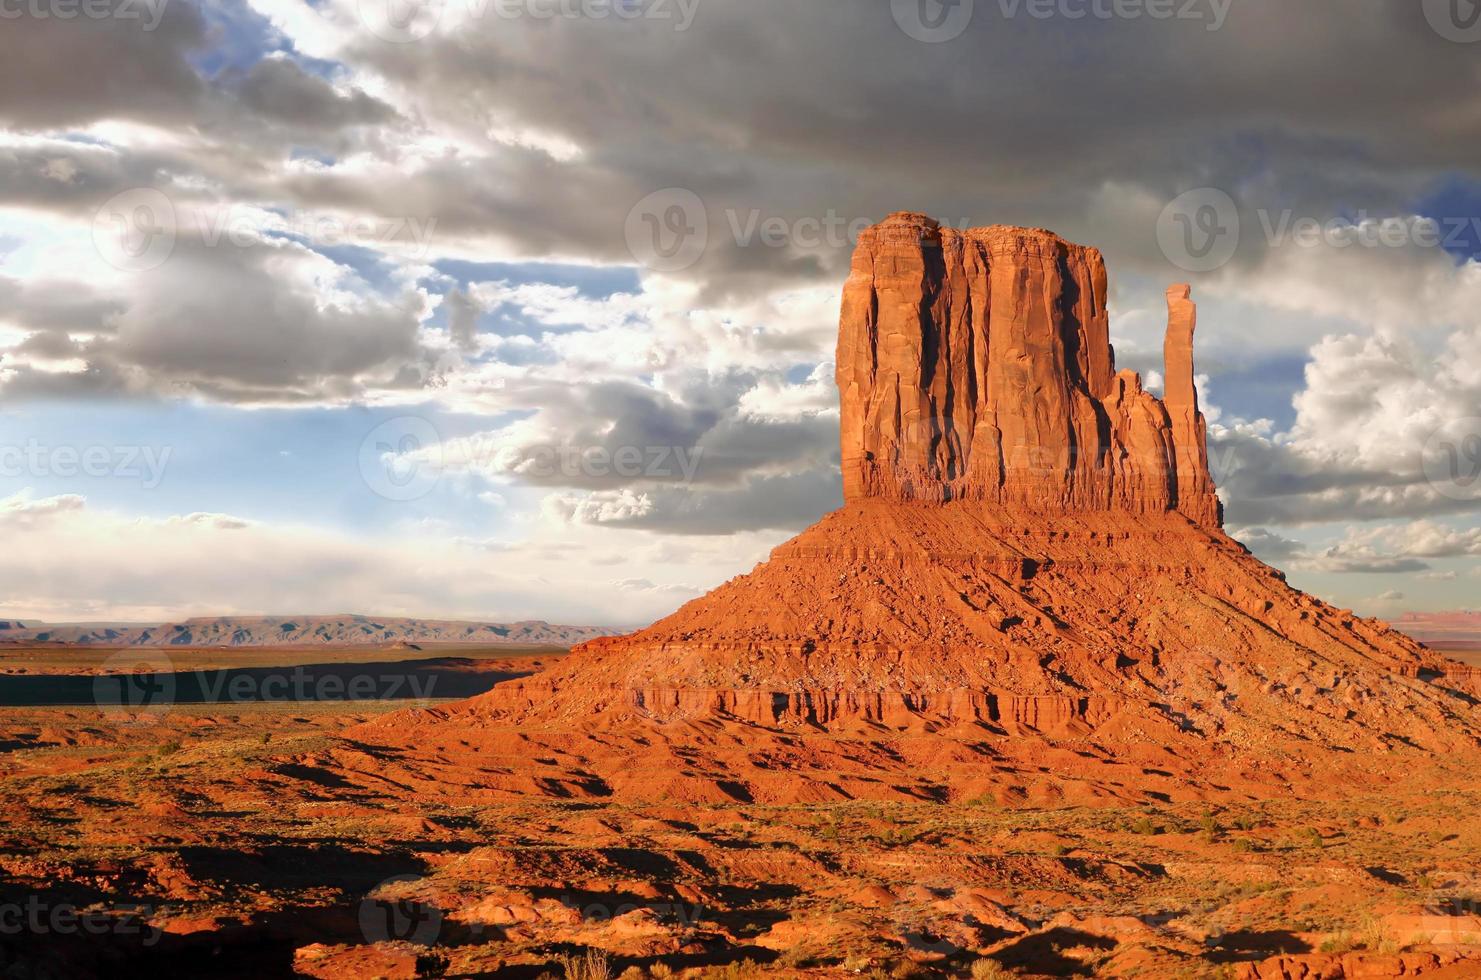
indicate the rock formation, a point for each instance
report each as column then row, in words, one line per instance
column 1027, row 592
column 977, row 365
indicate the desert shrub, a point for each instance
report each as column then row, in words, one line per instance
column 168, row 748
column 1243, row 844
column 633, row 973
column 744, row 970
column 907, row 970
column 591, row 965
column 431, row 964
column 1372, row 934
column 986, row 969
column 1144, row 825
column 1209, row 825
column 660, row 971
column 795, row 958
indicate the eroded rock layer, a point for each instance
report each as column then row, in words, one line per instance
column 1027, row 592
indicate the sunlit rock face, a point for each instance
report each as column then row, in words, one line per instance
column 977, row 365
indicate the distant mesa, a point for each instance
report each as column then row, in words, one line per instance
column 1457, row 629
column 269, row 631
column 1027, row 594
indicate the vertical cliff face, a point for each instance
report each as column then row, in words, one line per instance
column 977, row 365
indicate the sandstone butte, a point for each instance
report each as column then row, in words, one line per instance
column 1027, row 594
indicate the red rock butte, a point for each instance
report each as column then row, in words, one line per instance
column 977, row 365
column 1027, row 594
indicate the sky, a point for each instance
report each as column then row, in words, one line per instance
column 511, row 309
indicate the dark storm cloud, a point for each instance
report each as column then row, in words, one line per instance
column 128, row 59
column 235, row 319
column 788, row 502
column 280, row 90
column 230, row 323
column 1265, row 482
column 696, row 436
column 796, row 108
column 74, row 178
column 57, row 306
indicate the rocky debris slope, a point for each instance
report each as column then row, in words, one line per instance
column 1027, row 592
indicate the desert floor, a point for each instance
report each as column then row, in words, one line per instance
column 216, row 840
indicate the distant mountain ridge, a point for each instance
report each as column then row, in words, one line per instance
column 1458, row 627
column 268, row 631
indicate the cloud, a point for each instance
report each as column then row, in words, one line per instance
column 66, row 560
column 268, row 320
column 1384, row 549
column 22, row 510
column 221, row 522
column 1374, row 412
column 279, row 90
column 50, row 66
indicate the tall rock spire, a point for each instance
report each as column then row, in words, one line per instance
column 1194, row 489
column 977, row 365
